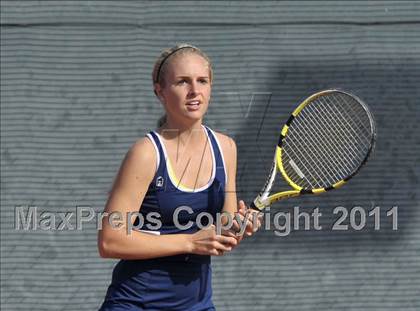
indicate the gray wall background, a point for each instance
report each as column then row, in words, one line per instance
column 76, row 93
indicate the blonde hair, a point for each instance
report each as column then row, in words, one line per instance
column 160, row 66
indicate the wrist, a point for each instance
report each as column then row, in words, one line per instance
column 187, row 243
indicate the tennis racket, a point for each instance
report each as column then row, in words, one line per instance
column 324, row 143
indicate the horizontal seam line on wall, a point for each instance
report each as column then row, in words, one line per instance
column 160, row 25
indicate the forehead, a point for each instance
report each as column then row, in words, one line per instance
column 188, row 65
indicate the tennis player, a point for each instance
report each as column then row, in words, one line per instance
column 165, row 265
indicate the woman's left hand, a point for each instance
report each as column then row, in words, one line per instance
column 254, row 218
column 249, row 221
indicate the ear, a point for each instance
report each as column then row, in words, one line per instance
column 158, row 91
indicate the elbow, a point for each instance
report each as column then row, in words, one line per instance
column 105, row 248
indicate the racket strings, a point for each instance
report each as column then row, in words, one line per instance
column 347, row 152
column 321, row 154
column 350, row 120
column 340, row 130
column 327, row 141
column 343, row 130
column 328, row 152
column 317, row 159
column 356, row 111
column 360, row 140
column 335, row 151
column 317, row 171
column 297, row 154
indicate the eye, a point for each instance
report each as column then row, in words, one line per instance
column 203, row 81
column 181, row 82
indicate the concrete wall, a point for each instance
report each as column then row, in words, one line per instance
column 76, row 93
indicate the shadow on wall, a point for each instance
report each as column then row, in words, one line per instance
column 390, row 177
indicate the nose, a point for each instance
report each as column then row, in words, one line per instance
column 193, row 88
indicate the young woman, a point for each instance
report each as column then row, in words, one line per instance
column 183, row 164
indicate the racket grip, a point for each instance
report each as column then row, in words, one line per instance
column 252, row 205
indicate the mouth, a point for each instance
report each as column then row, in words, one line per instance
column 193, row 104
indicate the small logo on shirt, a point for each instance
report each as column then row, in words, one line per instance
column 159, row 181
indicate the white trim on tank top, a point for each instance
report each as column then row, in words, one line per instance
column 156, row 149
column 178, row 185
column 221, row 153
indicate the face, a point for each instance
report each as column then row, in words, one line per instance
column 187, row 87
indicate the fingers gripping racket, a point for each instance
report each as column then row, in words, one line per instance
column 324, row 143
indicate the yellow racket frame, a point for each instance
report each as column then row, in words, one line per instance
column 261, row 203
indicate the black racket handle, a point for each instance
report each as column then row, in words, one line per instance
column 252, row 205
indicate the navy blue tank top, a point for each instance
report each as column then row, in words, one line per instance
column 180, row 282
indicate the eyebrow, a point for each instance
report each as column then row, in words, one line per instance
column 188, row 77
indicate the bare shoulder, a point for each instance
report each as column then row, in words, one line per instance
column 143, row 150
column 134, row 176
column 228, row 145
column 140, row 159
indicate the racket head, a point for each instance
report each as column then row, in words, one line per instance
column 325, row 141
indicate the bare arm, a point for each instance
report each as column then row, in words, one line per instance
column 229, row 148
column 232, row 206
column 127, row 194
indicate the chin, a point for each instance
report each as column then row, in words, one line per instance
column 195, row 115
column 194, row 118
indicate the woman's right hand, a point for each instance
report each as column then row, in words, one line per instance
column 207, row 242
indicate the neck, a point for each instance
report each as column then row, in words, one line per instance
column 183, row 131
